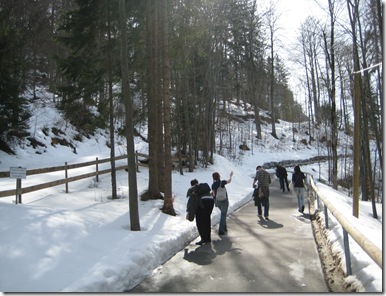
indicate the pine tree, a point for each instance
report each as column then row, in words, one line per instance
column 83, row 34
column 14, row 113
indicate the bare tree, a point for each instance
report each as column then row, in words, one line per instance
column 330, row 82
column 272, row 19
column 310, row 30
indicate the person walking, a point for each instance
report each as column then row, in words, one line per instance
column 200, row 205
column 222, row 204
column 282, row 174
column 263, row 179
column 191, row 189
column 298, row 178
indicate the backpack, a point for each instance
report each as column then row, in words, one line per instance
column 258, row 193
column 221, row 193
column 194, row 201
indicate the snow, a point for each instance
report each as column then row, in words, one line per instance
column 81, row 241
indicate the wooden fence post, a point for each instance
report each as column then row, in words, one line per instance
column 66, row 175
column 97, row 170
column 18, row 191
column 136, row 162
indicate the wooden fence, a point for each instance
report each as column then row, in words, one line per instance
column 65, row 168
column 348, row 229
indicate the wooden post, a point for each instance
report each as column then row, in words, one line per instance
column 97, row 170
column 136, row 161
column 66, row 175
column 18, row 190
column 18, row 173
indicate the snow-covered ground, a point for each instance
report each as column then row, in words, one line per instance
column 82, row 242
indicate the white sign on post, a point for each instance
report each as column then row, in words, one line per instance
column 17, row 173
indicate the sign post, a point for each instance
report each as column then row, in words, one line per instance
column 18, row 173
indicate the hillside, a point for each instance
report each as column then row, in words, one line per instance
column 50, row 134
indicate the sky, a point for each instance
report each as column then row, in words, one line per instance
column 82, row 242
column 291, row 15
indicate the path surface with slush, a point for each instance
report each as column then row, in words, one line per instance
column 256, row 255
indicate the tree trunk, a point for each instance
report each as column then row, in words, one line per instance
column 331, row 81
column 367, row 109
column 153, row 102
column 111, row 109
column 357, row 112
column 168, row 199
column 272, row 23
column 131, row 163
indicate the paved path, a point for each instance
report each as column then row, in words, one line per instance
column 278, row 255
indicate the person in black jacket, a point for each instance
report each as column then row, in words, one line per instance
column 190, row 190
column 200, row 205
column 298, row 181
column 281, row 173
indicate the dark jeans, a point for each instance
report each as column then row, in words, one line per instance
column 265, row 203
column 223, row 206
column 203, row 220
column 282, row 180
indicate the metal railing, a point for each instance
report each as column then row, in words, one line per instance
column 348, row 229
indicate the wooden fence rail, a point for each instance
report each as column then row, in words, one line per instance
column 348, row 229
column 19, row 191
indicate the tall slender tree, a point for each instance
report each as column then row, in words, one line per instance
column 168, row 199
column 330, row 82
column 131, row 160
column 153, row 99
column 272, row 19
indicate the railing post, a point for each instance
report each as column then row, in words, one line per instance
column 66, row 175
column 97, row 170
column 347, row 252
column 325, row 216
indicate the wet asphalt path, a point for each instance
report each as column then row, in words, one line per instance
column 277, row 255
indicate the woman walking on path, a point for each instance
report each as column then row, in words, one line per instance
column 298, row 183
column 222, row 204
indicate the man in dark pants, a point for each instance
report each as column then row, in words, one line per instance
column 263, row 179
column 281, row 173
